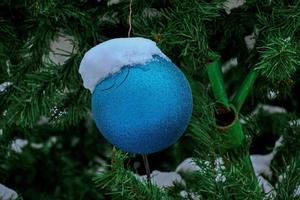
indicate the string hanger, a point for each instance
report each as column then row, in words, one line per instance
column 129, row 18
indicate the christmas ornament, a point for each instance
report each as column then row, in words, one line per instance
column 141, row 101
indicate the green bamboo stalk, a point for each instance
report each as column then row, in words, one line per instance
column 232, row 134
column 217, row 83
column 244, row 90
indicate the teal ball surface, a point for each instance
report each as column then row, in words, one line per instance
column 143, row 108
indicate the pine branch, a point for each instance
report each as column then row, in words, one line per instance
column 188, row 36
column 279, row 59
column 122, row 184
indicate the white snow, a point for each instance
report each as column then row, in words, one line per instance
column 219, row 162
column 4, row 113
column 297, row 191
column 51, row 141
column 294, row 122
column 220, row 178
column 243, row 121
column 36, row 145
column 4, row 85
column 18, row 144
column 219, row 167
column 261, row 163
column 267, row 188
column 110, row 56
column 228, row 65
column 283, row 176
column 162, row 179
column 188, row 165
column 268, row 109
column 151, row 12
column 231, row 4
column 278, row 144
column 8, row 64
column 7, row 193
column 192, row 196
column 61, row 48
column 273, row 109
column 112, row 2
column 272, row 94
column 250, row 40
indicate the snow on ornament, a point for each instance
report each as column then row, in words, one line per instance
column 7, row 193
column 141, row 101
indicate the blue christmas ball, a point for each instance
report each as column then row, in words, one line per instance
column 143, row 108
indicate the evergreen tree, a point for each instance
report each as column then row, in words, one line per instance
column 51, row 149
